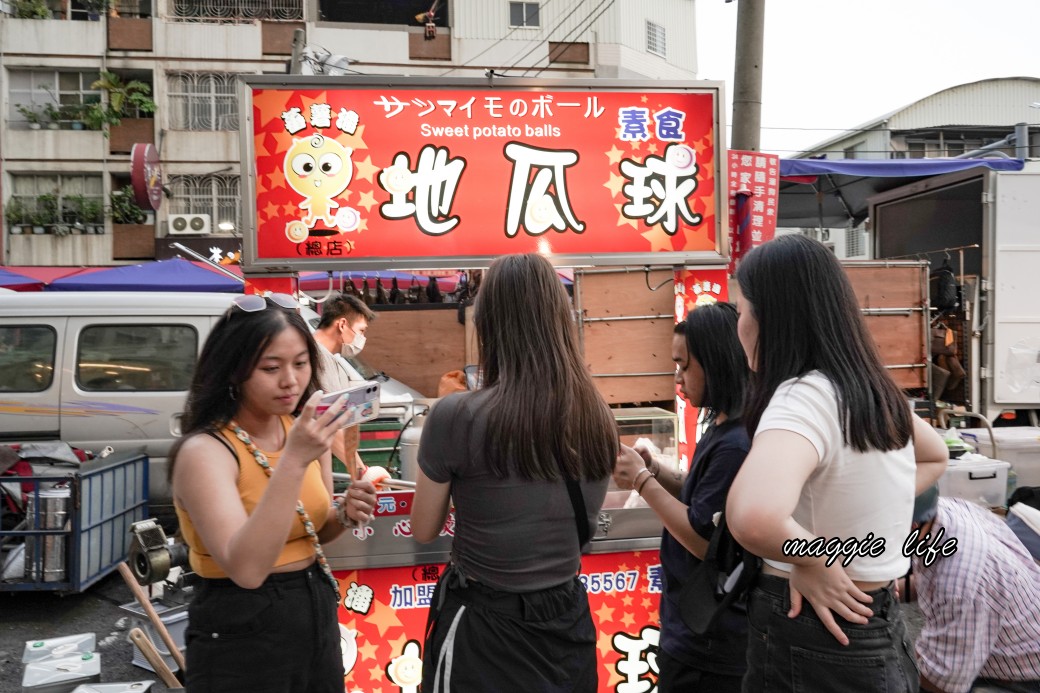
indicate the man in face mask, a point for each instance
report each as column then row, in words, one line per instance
column 341, row 335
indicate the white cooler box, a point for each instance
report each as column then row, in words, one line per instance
column 980, row 480
column 1019, row 445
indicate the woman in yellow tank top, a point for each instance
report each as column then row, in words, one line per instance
column 253, row 492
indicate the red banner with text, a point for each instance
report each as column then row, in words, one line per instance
column 361, row 173
column 753, row 192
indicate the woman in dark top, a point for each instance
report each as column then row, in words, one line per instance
column 509, row 613
column 711, row 372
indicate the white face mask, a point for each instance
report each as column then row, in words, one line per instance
column 354, row 348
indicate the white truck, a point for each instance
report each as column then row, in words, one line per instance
column 986, row 225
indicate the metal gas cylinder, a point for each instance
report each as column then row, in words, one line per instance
column 408, row 447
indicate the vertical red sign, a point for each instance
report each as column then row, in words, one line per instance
column 693, row 288
column 752, row 191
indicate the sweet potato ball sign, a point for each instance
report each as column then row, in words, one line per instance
column 365, row 173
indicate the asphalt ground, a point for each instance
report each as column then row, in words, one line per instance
column 39, row 615
column 35, row 615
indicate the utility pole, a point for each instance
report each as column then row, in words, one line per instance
column 298, row 41
column 747, row 75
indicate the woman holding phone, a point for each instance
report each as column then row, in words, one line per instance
column 252, row 489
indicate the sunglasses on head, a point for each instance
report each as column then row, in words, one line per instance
column 251, row 303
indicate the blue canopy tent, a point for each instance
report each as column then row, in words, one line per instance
column 19, row 282
column 820, row 193
column 164, row 275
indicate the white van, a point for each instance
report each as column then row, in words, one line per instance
column 98, row 369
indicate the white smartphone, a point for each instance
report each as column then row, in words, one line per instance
column 362, row 403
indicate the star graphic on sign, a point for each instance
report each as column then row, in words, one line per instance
column 627, row 600
column 365, row 169
column 615, row 184
column 643, row 99
column 628, row 620
column 659, row 240
column 362, row 226
column 652, row 148
column 271, row 210
column 603, row 644
column 398, row 645
column 367, row 200
column 355, row 141
column 605, row 613
column 622, row 219
column 382, row 617
column 647, row 603
column 615, row 154
column 375, row 673
column 368, row 650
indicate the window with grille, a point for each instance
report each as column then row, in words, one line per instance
column 35, row 89
column 57, row 198
column 655, row 39
column 524, row 14
column 215, row 195
column 854, row 244
column 234, row 11
column 202, row 101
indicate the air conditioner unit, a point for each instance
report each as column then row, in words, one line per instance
column 190, row 224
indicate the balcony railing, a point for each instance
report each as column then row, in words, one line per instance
column 235, row 11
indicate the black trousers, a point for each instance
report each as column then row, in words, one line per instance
column 799, row 654
column 282, row 637
column 480, row 639
column 678, row 677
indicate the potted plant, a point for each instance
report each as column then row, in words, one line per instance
column 31, row 9
column 53, row 114
column 30, row 114
column 124, row 208
column 72, row 213
column 93, row 215
column 125, row 99
column 16, row 214
column 72, row 113
column 46, row 213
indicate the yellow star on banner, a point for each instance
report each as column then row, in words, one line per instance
column 627, row 600
column 622, row 219
column 355, row 141
column 382, row 617
column 365, row 169
column 643, row 99
column 615, row 154
column 368, row 650
column 614, row 184
column 605, row 613
column 628, row 620
column 652, row 148
column 345, row 195
column 647, row 603
column 397, row 646
column 362, row 226
column 375, row 673
column 271, row 210
column 367, row 201
column 659, row 240
column 603, row 644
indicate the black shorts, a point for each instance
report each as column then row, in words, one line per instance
column 482, row 639
column 282, row 637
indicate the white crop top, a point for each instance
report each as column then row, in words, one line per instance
column 850, row 493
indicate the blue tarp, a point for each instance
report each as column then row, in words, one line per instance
column 831, row 194
column 164, row 275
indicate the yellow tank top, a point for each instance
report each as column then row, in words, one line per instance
column 252, row 482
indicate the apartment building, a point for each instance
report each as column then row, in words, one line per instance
column 83, row 81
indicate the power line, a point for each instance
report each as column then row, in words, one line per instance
column 510, row 33
column 535, row 47
column 577, row 29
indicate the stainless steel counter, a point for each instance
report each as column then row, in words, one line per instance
column 387, row 541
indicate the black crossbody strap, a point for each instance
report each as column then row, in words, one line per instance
column 578, row 503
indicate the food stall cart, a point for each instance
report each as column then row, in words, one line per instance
column 438, row 174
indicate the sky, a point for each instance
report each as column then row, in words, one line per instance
column 832, row 65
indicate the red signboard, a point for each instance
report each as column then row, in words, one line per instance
column 694, row 288
column 418, row 174
column 383, row 621
column 753, row 189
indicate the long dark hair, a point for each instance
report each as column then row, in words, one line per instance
column 228, row 358
column 542, row 405
column 711, row 339
column 809, row 319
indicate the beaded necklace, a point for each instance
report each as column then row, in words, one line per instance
column 305, row 518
